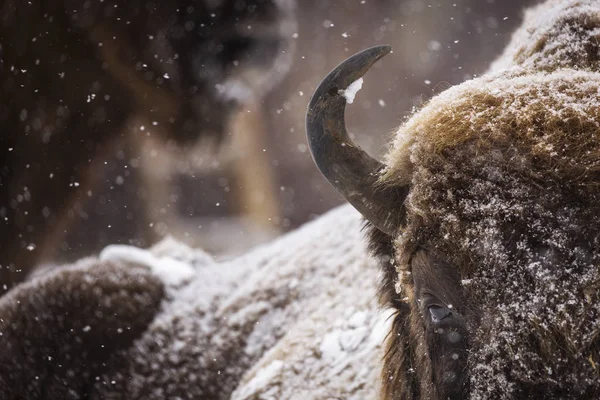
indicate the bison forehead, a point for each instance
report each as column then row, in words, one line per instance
column 550, row 115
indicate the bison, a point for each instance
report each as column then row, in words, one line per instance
column 487, row 210
column 484, row 220
column 73, row 73
column 288, row 320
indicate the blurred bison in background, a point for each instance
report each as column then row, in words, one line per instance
column 74, row 72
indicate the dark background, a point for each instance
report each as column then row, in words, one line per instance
column 261, row 181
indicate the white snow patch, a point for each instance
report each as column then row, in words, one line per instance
column 352, row 90
column 117, row 252
column 171, row 271
column 331, row 348
column 170, row 247
column 262, row 379
column 358, row 319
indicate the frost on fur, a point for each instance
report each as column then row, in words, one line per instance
column 504, row 187
column 556, row 34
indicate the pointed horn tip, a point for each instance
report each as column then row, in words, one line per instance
column 382, row 50
column 348, row 71
column 363, row 60
column 354, row 67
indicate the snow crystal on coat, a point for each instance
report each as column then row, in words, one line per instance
column 350, row 92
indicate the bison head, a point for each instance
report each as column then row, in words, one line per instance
column 487, row 216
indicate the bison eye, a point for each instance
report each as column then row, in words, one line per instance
column 438, row 313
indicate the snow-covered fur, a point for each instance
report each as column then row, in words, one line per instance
column 296, row 319
column 503, row 224
column 555, row 34
column 57, row 331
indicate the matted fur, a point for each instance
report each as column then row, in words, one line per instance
column 504, row 175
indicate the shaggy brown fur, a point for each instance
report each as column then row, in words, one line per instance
column 503, row 227
column 512, row 185
column 78, row 326
column 73, row 72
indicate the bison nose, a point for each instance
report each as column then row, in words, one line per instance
column 439, row 313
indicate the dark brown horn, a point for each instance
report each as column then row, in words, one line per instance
column 345, row 165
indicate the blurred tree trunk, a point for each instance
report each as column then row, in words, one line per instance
column 252, row 168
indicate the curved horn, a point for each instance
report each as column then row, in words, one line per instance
column 346, row 166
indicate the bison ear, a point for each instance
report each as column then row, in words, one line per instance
column 59, row 330
column 353, row 173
